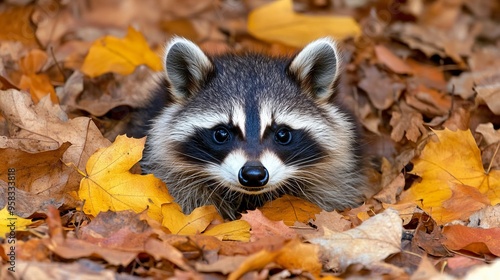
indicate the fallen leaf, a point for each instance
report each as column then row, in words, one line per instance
column 289, row 209
column 426, row 270
column 308, row 261
column 28, row 203
column 234, row 230
column 488, row 90
column 453, row 160
column 490, row 135
column 10, row 223
column 369, row 243
column 45, row 126
column 382, row 90
column 122, row 56
column 37, row 84
column 117, row 230
column 73, row 248
column 161, row 250
column 477, row 240
column 196, row 222
column 15, row 21
column 263, row 228
column 224, row 265
column 428, row 101
column 389, row 59
column 284, row 257
column 109, row 185
column 488, row 217
column 278, row 22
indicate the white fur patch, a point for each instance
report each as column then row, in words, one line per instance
column 227, row 171
column 239, row 118
column 278, row 171
column 266, row 117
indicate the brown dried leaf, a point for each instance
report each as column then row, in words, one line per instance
column 46, row 127
column 428, row 101
column 117, row 230
column 367, row 244
column 389, row 59
column 407, row 122
column 263, row 228
column 382, row 90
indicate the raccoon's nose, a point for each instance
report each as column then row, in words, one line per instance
column 253, row 174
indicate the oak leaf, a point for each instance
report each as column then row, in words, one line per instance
column 368, row 244
column 448, row 168
column 278, row 22
column 109, row 185
column 290, row 209
column 122, row 56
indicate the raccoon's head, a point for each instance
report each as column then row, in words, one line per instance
column 244, row 129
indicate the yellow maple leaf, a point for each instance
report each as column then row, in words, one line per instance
column 452, row 164
column 277, row 22
column 120, row 55
column 109, row 185
column 290, row 209
column 196, row 222
column 10, row 223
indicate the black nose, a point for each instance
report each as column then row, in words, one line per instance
column 253, row 175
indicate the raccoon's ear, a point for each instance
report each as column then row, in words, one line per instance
column 316, row 67
column 186, row 67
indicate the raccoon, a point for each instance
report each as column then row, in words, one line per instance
column 238, row 130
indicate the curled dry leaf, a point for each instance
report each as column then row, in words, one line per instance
column 369, row 243
column 109, row 185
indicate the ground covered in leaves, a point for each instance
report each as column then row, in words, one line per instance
column 421, row 76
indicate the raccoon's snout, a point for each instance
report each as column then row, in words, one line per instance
column 253, row 174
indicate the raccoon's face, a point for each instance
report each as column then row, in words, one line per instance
column 253, row 125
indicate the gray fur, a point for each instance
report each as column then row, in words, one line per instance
column 252, row 92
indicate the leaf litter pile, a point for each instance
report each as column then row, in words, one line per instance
column 421, row 77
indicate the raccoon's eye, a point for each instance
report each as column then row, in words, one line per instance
column 221, row 135
column 283, row 136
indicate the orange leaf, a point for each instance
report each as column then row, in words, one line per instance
column 477, row 240
column 290, row 209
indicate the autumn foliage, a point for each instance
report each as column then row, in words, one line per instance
column 420, row 76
